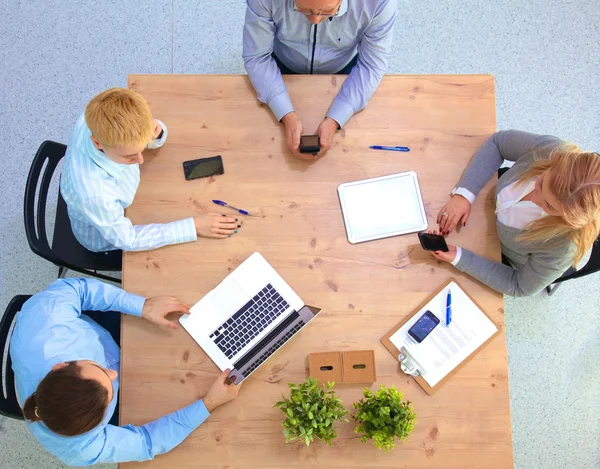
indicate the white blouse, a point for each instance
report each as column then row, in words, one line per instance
column 510, row 209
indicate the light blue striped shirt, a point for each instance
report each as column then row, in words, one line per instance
column 97, row 191
column 364, row 27
column 50, row 329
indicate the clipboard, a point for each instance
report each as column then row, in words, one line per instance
column 409, row 365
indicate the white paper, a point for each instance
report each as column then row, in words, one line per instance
column 446, row 347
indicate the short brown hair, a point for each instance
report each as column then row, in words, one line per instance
column 67, row 403
column 120, row 116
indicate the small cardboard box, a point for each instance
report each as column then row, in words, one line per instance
column 359, row 366
column 325, row 366
column 351, row 367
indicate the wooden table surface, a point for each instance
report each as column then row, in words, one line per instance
column 364, row 289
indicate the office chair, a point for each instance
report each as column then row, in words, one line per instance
column 66, row 252
column 9, row 406
column 592, row 266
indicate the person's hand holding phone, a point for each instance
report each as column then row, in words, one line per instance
column 456, row 211
column 216, row 225
column 326, row 131
column 157, row 129
column 293, row 132
column 441, row 255
column 220, row 392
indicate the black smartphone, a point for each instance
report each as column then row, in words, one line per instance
column 423, row 326
column 310, row 144
column 431, row 242
column 203, row 167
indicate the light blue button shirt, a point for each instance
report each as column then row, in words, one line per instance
column 50, row 329
column 364, row 27
column 97, row 191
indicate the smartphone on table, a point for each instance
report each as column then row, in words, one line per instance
column 431, row 242
column 203, row 167
column 424, row 325
column 310, row 144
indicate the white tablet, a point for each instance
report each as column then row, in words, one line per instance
column 382, row 207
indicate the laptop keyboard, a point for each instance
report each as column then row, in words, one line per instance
column 273, row 348
column 239, row 330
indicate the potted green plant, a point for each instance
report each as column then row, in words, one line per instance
column 311, row 412
column 383, row 416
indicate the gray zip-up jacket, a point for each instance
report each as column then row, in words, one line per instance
column 535, row 265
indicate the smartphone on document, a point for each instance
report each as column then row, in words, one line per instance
column 424, row 325
column 203, row 167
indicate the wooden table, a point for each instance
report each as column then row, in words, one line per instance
column 363, row 289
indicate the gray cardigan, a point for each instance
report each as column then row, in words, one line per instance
column 535, row 265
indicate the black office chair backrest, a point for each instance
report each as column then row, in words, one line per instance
column 9, row 406
column 43, row 166
column 592, row 266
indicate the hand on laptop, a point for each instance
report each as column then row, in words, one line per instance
column 215, row 225
column 156, row 309
column 220, row 392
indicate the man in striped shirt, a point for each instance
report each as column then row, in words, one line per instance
column 101, row 176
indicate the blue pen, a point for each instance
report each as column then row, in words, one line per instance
column 383, row 147
column 449, row 308
column 225, row 204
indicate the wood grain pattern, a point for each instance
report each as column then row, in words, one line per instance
column 364, row 289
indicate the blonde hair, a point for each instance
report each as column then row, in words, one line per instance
column 575, row 182
column 120, row 116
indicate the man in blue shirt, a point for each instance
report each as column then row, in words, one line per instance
column 317, row 36
column 67, row 376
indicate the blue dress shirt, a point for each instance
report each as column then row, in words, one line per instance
column 50, row 329
column 364, row 27
column 97, row 191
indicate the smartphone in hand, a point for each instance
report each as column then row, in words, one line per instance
column 431, row 242
column 310, row 144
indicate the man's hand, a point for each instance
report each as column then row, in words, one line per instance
column 157, row 129
column 220, row 392
column 293, row 132
column 215, row 225
column 326, row 131
column 156, row 309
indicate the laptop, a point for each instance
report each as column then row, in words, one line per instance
column 247, row 318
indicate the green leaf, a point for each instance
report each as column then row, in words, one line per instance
column 383, row 417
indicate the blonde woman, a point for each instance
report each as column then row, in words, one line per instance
column 547, row 208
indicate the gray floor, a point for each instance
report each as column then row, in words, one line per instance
column 545, row 55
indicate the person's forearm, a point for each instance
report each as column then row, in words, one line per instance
column 100, row 296
column 169, row 431
column 508, row 145
column 258, row 38
column 128, row 237
column 154, row 236
column 503, row 278
column 373, row 56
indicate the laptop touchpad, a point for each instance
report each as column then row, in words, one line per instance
column 228, row 298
